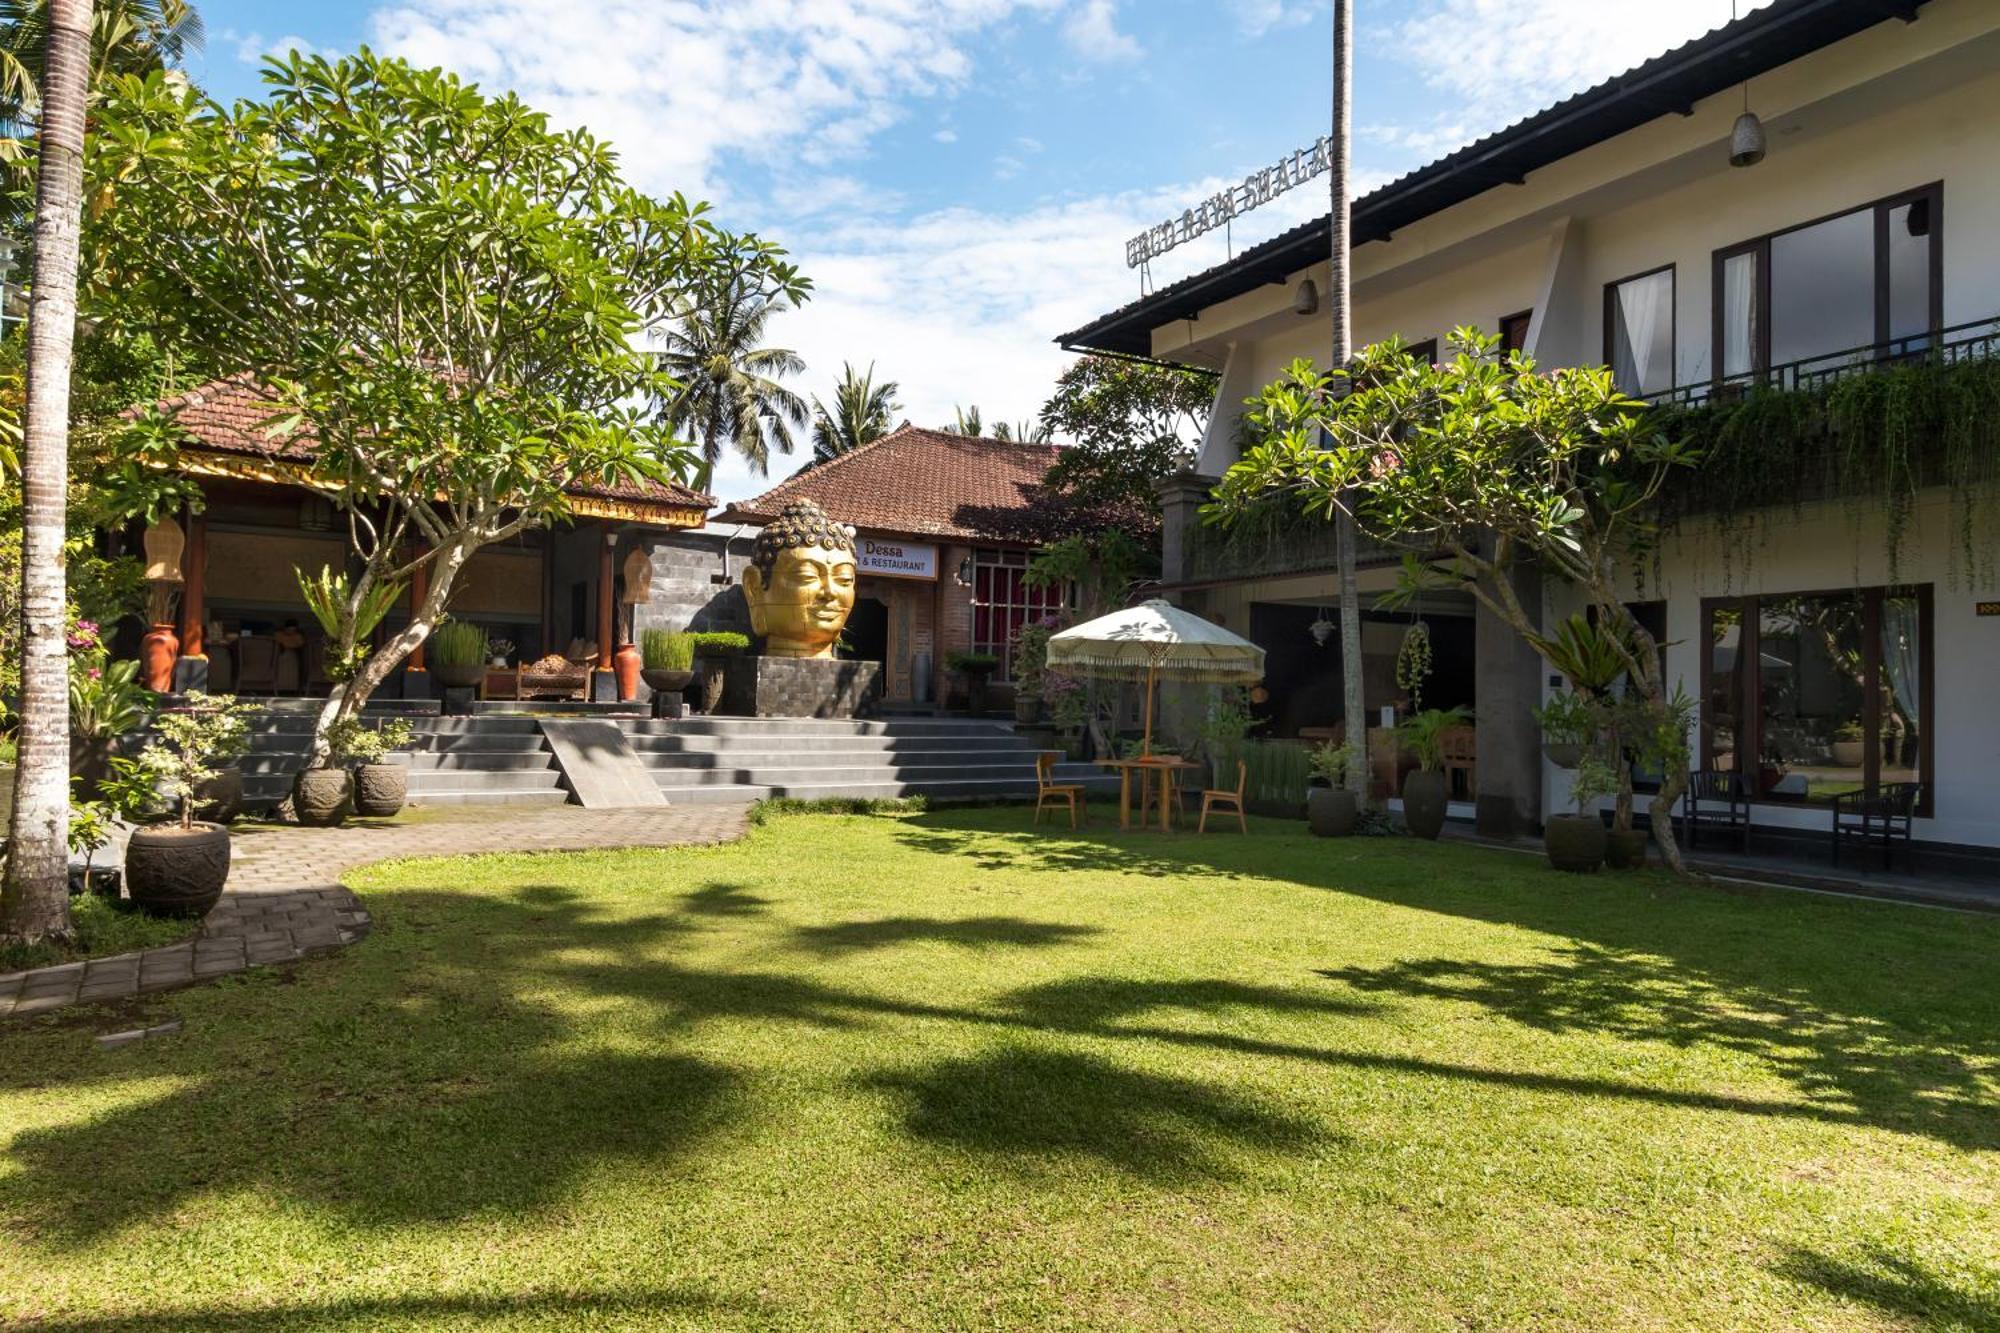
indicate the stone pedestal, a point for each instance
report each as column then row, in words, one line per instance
column 801, row 687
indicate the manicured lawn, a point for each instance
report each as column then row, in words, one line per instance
column 939, row 1071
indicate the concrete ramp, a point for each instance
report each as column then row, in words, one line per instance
column 599, row 765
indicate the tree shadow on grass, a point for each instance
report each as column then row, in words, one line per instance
column 1849, row 1066
column 409, row 1312
column 978, row 932
column 1899, row 1286
column 1094, row 1004
column 1027, row 1106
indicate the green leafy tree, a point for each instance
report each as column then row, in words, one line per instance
column 862, row 411
column 726, row 380
column 1127, row 425
column 966, row 421
column 449, row 299
column 126, row 37
column 1483, row 461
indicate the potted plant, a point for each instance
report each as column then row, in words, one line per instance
column 978, row 669
column 106, row 703
column 1570, row 724
column 178, row 868
column 1069, row 709
column 457, row 653
column 380, row 788
column 1424, row 790
column 498, row 650
column 323, row 793
column 1576, row 842
column 713, row 652
column 1031, row 660
column 1332, row 811
column 668, row 657
column 1849, row 742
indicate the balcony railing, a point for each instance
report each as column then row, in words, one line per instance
column 1959, row 342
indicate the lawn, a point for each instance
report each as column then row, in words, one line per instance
column 941, row 1071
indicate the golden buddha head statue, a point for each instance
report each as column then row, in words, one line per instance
column 800, row 582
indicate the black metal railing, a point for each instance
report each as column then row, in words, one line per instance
column 1959, row 342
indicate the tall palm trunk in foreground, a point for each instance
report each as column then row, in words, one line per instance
column 1354, row 707
column 34, row 902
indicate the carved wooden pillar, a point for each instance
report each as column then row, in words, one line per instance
column 194, row 583
column 607, row 599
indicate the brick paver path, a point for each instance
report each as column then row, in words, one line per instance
column 285, row 900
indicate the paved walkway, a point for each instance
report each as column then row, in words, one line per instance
column 285, row 900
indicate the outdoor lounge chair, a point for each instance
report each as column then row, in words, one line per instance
column 1050, row 792
column 1229, row 802
column 1715, row 800
column 1882, row 817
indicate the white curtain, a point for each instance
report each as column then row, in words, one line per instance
column 1642, row 351
column 1739, row 289
column 1899, row 655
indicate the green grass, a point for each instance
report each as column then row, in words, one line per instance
column 938, row 1070
column 102, row 927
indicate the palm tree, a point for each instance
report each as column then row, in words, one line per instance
column 1353, row 703
column 862, row 411
column 1024, row 432
column 34, row 897
column 730, row 394
column 965, row 421
column 126, row 37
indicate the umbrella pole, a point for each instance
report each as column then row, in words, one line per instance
column 1146, row 746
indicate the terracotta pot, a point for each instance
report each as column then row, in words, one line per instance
column 380, row 789
column 158, row 652
column 459, row 675
column 322, row 797
column 1574, row 842
column 663, row 681
column 1331, row 813
column 1625, row 849
column 221, row 797
column 172, row 871
column 626, row 664
column 1424, row 794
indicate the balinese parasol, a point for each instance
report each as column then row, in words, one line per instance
column 1156, row 639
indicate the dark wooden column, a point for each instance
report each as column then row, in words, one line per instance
column 607, row 598
column 194, row 582
column 419, row 589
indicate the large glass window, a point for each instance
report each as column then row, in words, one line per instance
column 1639, row 332
column 1863, row 278
column 1003, row 601
column 1809, row 695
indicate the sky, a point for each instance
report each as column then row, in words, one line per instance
column 959, row 177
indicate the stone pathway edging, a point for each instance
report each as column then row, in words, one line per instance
column 285, row 902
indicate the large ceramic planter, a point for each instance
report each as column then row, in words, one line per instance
column 662, row 681
column 380, row 789
column 172, row 871
column 1574, row 842
column 458, row 675
column 714, row 674
column 321, row 797
column 1331, row 812
column 626, row 664
column 1848, row 754
column 1625, row 849
column 158, row 652
column 1424, row 793
column 1027, row 709
column 221, row 797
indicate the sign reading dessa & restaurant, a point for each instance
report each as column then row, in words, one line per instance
column 897, row 560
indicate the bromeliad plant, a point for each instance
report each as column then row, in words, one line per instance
column 346, row 618
column 1472, row 466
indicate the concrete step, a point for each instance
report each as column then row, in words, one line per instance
column 790, row 776
column 806, row 726
column 958, row 789
column 484, row 796
column 485, row 708
column 666, row 760
column 484, row 725
column 645, row 744
column 476, row 761
column 506, row 742
column 431, row 780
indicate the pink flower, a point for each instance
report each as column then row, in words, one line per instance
column 96, row 674
column 1383, row 463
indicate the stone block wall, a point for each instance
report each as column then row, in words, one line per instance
column 801, row 687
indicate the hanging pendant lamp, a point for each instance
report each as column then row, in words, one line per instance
column 1746, row 140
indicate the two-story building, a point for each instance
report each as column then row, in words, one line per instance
column 1836, row 641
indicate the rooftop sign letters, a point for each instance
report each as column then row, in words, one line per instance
column 1259, row 187
column 901, row 560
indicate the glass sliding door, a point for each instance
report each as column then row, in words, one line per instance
column 1823, row 288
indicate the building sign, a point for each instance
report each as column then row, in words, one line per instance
column 898, row 560
column 1259, row 187
column 1987, row 608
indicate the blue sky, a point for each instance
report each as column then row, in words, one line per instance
column 959, row 176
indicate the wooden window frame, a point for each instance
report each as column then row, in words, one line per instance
column 1760, row 246
column 1673, row 319
column 1525, row 317
column 1427, row 349
column 1749, row 688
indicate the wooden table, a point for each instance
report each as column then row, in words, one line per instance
column 501, row 683
column 1160, row 771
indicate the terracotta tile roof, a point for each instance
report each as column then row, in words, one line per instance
column 912, row 482
column 227, row 416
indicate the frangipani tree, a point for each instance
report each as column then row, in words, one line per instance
column 450, row 304
column 1473, row 464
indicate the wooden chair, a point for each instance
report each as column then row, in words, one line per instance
column 1231, row 802
column 1049, row 792
column 1715, row 799
column 1461, row 755
column 256, row 665
column 1882, row 817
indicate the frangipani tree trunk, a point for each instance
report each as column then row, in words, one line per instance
column 34, row 902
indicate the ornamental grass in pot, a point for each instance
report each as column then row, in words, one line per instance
column 1425, row 789
column 667, row 659
column 178, row 867
column 380, row 788
column 1575, row 843
column 1332, row 809
column 457, row 654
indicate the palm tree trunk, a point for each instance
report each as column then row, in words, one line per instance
column 34, row 899
column 1354, row 706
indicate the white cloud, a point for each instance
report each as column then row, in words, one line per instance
column 1092, row 32
column 252, row 48
column 1257, row 17
column 1500, row 60
column 946, row 136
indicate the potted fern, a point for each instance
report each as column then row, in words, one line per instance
column 1425, row 790
column 1332, row 811
column 178, row 867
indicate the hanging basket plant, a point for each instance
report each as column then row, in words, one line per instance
column 1413, row 663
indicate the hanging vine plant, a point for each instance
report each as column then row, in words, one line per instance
column 1413, row 663
column 1871, row 441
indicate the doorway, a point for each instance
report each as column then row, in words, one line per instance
column 867, row 636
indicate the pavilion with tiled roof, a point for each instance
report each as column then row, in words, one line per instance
column 933, row 583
